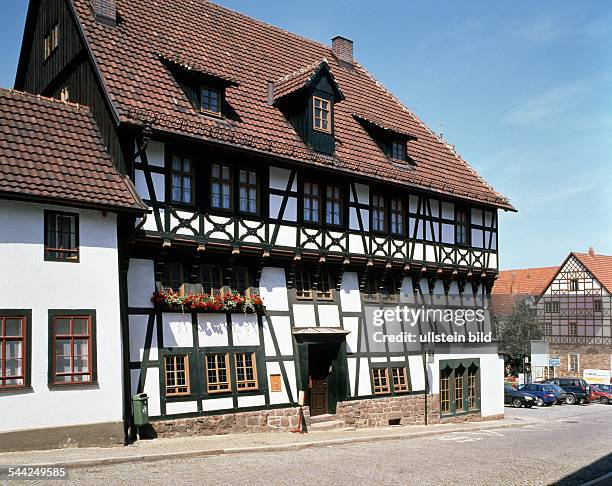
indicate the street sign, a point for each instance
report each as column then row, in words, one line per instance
column 554, row 361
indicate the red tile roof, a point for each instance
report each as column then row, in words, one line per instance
column 52, row 151
column 599, row 265
column 219, row 40
column 531, row 281
column 299, row 79
column 534, row 281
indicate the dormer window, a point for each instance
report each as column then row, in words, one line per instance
column 321, row 114
column 51, row 42
column 398, row 150
column 210, row 100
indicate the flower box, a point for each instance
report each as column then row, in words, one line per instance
column 228, row 302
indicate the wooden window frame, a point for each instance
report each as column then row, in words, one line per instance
column 312, row 197
column 221, row 181
column 303, row 290
column 25, row 339
column 64, row 93
column 394, row 152
column 572, row 328
column 472, row 388
column 570, row 365
column 53, row 254
column 212, row 290
column 51, row 41
column 174, row 357
column 552, row 307
column 325, row 295
column 234, row 286
column 248, row 186
column 366, row 294
column 376, row 210
column 548, row 328
column 205, row 87
column 326, row 114
column 463, row 228
column 402, row 372
column 399, row 214
column 597, row 305
column 253, row 385
column 71, row 337
column 573, row 285
column 227, row 384
column 445, row 391
column 460, row 388
column 331, row 201
column 182, row 175
column 381, row 388
column 180, row 272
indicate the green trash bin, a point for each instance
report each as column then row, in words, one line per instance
column 140, row 409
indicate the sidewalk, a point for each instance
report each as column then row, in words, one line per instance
column 182, row 447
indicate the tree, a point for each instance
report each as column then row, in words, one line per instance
column 517, row 331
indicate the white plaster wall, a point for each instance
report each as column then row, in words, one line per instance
column 138, row 333
column 245, row 330
column 365, row 387
column 328, row 315
column 349, row 293
column 273, row 368
column 39, row 285
column 217, row 404
column 212, row 330
column 141, row 283
column 273, row 289
column 177, row 330
column 304, row 315
column 181, row 407
column 251, row 401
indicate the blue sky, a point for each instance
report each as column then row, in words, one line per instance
column 522, row 89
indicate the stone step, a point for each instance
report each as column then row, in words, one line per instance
column 322, row 418
column 327, row 425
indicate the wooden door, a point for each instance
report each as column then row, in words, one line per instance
column 318, row 394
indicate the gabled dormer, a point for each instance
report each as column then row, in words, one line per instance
column 307, row 98
column 204, row 89
column 393, row 142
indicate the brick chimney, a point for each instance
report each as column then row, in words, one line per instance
column 591, row 251
column 105, row 11
column 343, row 49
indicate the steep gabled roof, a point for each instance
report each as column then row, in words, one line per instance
column 600, row 267
column 220, row 40
column 51, row 151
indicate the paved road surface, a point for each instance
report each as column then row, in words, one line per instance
column 569, row 442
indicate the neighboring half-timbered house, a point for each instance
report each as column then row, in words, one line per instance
column 292, row 196
column 573, row 305
column 60, row 326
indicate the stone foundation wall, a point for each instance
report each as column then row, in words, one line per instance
column 377, row 412
column 591, row 357
column 409, row 410
column 274, row 420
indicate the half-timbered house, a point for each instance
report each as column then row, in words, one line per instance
column 60, row 325
column 572, row 303
column 292, row 196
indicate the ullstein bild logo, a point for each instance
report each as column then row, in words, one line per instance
column 456, row 325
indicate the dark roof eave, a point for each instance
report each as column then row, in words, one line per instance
column 56, row 201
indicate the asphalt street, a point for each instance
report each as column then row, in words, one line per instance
column 567, row 445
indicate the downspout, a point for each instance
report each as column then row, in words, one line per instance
column 125, row 340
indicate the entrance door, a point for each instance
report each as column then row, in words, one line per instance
column 320, row 366
column 318, row 395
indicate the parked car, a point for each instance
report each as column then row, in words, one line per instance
column 559, row 392
column 518, row 398
column 599, row 394
column 543, row 394
column 576, row 389
column 606, row 388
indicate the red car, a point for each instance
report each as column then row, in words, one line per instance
column 601, row 395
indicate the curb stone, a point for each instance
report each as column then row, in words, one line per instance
column 85, row 463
